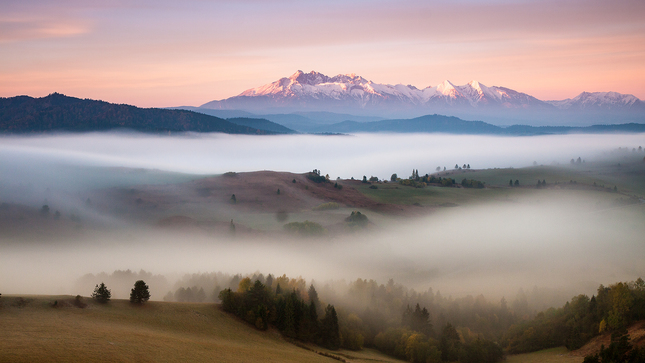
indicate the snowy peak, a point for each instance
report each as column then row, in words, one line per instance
column 353, row 94
column 598, row 100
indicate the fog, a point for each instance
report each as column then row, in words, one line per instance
column 340, row 156
column 561, row 240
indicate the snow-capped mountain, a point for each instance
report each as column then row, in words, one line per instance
column 354, row 94
column 598, row 101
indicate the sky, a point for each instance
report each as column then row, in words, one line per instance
column 167, row 53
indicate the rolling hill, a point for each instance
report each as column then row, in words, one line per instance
column 60, row 113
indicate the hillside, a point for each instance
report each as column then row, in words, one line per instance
column 57, row 112
column 33, row 330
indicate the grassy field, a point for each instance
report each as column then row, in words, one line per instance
column 553, row 355
column 32, row 330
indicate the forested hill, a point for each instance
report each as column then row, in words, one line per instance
column 57, row 112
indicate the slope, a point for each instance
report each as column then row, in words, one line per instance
column 58, row 112
column 34, row 330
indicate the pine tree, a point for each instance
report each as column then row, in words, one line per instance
column 140, row 293
column 101, row 293
column 329, row 329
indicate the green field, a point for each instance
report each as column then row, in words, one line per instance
column 35, row 331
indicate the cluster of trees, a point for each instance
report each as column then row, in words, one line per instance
column 422, row 181
column 315, row 177
column 579, row 320
column 541, row 184
column 511, row 184
column 472, row 183
column 140, row 293
column 120, row 281
column 294, row 315
column 415, row 346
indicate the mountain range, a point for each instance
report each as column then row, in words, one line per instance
column 352, row 94
column 60, row 113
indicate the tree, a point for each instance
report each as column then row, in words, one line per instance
column 394, row 177
column 510, row 183
column 329, row 329
column 101, row 293
column 140, row 293
column 278, row 191
column 517, row 183
column 233, row 199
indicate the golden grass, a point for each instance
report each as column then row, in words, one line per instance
column 553, row 355
column 121, row 332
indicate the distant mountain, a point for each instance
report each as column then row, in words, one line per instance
column 314, row 91
column 599, row 101
column 58, row 112
column 453, row 125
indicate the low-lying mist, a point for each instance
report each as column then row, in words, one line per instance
column 340, row 156
column 497, row 249
column 561, row 240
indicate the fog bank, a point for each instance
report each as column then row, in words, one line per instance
column 340, row 156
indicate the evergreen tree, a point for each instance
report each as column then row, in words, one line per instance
column 278, row 290
column 329, row 329
column 140, row 293
column 449, row 344
column 101, row 293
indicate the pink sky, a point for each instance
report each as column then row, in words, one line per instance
column 167, row 53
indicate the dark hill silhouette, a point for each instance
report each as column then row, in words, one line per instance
column 57, row 112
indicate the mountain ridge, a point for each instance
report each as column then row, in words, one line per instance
column 350, row 93
column 57, row 112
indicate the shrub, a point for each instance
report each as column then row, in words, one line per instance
column 357, row 219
